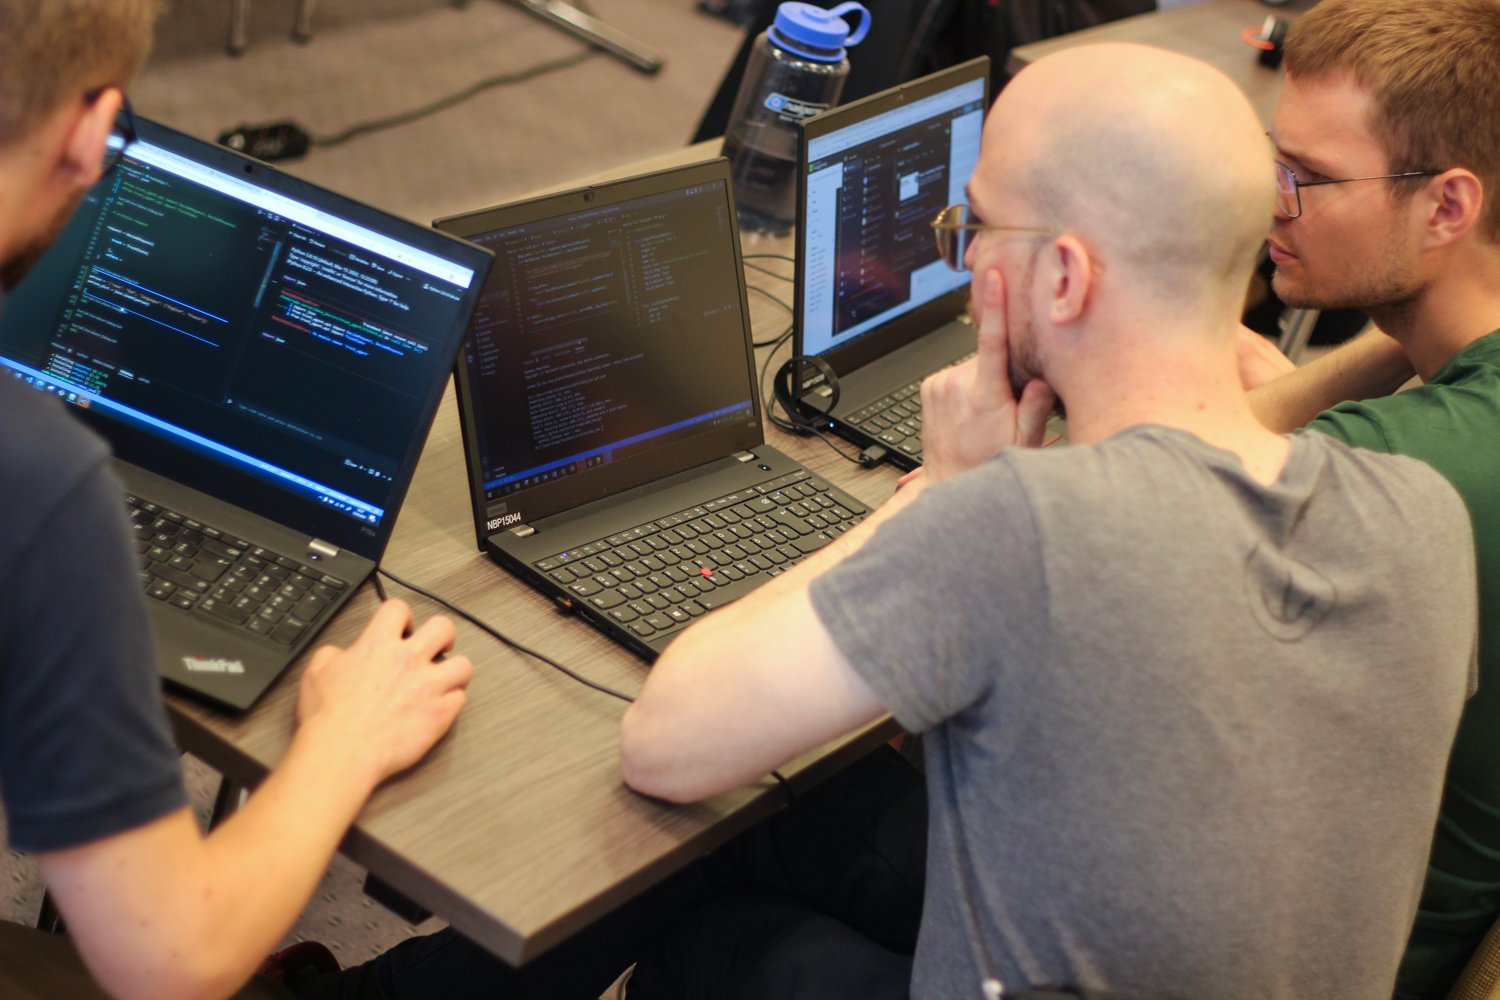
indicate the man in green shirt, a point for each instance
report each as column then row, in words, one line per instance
column 1387, row 141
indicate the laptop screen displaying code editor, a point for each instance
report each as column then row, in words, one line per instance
column 604, row 333
column 270, row 334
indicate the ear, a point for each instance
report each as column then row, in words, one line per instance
column 85, row 140
column 1070, row 278
column 1455, row 200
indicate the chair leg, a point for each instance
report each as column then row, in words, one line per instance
column 227, row 801
column 1296, row 328
column 48, row 918
column 302, row 29
column 239, row 26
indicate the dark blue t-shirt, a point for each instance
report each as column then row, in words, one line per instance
column 85, row 749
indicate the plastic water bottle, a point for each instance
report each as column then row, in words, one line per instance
column 797, row 68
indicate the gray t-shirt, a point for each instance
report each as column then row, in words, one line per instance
column 1186, row 733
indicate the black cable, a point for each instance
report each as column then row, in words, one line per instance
column 502, row 80
column 775, row 345
column 769, row 256
column 502, row 638
column 779, row 301
column 767, row 270
column 841, row 453
column 786, row 787
column 772, row 343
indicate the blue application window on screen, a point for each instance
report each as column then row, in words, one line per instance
column 872, row 190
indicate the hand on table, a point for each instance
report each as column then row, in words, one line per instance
column 969, row 411
column 388, row 691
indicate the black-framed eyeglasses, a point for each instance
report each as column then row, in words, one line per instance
column 953, row 225
column 121, row 136
column 1289, row 186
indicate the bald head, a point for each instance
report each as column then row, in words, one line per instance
column 1155, row 160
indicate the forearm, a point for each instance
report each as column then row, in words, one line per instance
column 162, row 911
column 750, row 686
column 1370, row 365
column 268, row 858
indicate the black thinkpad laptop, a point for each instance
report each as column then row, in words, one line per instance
column 873, row 298
column 265, row 358
column 610, row 414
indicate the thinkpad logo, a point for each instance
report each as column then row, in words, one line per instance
column 202, row 665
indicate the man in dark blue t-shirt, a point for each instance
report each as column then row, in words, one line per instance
column 89, row 778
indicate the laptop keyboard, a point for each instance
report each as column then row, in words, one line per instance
column 657, row 577
column 202, row 570
column 895, row 420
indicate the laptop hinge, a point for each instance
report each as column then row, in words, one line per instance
column 745, row 456
column 322, row 548
column 523, row 531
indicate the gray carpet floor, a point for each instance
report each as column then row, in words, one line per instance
column 374, row 58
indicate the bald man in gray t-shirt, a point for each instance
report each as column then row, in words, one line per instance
column 1189, row 685
column 1184, row 732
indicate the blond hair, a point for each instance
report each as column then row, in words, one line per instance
column 52, row 51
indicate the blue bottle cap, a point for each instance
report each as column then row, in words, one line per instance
column 818, row 34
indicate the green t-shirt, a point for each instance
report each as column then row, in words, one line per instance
column 1453, row 424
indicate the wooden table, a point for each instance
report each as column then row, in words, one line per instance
column 517, row 828
column 1209, row 31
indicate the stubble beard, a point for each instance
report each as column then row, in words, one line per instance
column 19, row 264
column 1389, row 285
column 1024, row 365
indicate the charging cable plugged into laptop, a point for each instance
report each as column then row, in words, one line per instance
column 873, row 455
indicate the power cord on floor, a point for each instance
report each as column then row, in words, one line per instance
column 288, row 140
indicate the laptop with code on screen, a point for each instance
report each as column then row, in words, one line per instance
column 873, row 297
column 611, row 419
column 265, row 358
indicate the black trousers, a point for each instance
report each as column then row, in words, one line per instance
column 821, row 901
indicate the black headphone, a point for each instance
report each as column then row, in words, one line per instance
column 788, row 385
